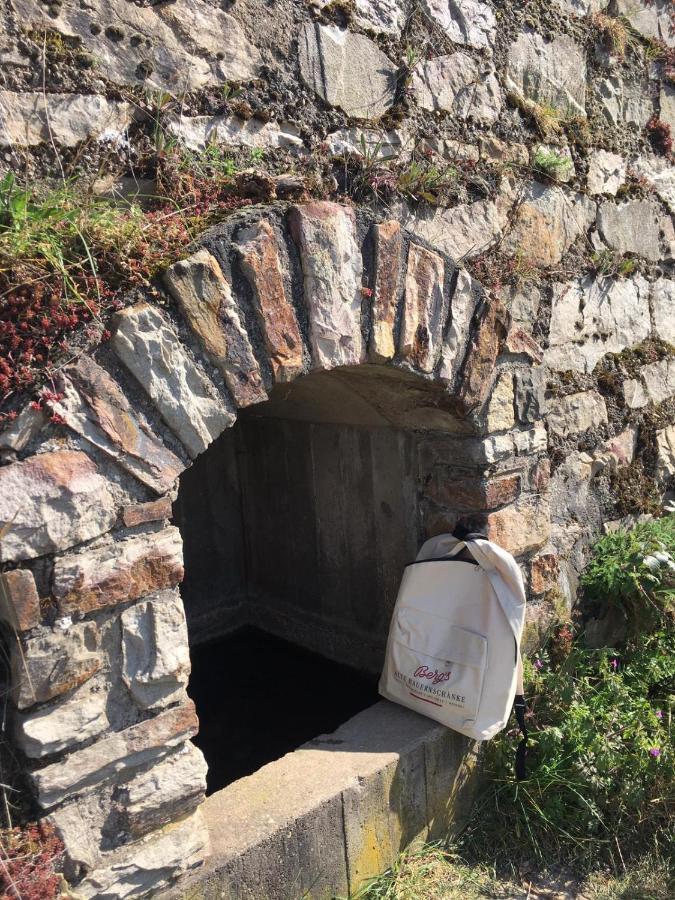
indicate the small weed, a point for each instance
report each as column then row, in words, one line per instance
column 30, row 861
column 609, row 262
column 257, row 154
column 423, row 181
column 547, row 119
column 616, row 33
column 230, row 91
column 660, row 135
column 552, row 164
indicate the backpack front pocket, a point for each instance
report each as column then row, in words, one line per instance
column 438, row 664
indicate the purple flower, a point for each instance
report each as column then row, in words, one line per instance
column 614, row 664
column 658, row 714
column 655, row 752
column 538, row 664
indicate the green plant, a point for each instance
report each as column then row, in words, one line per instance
column 635, row 570
column 552, row 164
column 423, row 181
column 601, row 782
column 616, row 32
column 257, row 154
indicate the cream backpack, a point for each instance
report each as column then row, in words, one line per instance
column 453, row 652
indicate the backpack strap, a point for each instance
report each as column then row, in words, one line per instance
column 520, row 708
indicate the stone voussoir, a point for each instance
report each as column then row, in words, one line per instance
column 187, row 401
column 262, row 264
column 424, row 304
column 485, row 345
column 94, row 406
column 206, row 300
column 388, row 247
column 118, row 572
column 325, row 233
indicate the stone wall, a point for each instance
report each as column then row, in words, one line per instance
column 530, row 316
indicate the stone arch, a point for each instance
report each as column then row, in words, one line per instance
column 268, row 298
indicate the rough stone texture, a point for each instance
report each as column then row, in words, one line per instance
column 19, row 601
column 594, row 316
column 667, row 105
column 264, row 269
column 94, row 406
column 331, row 263
column 54, row 663
column 500, row 416
column 140, row 513
column 606, row 172
column 465, row 230
column 523, row 302
column 50, row 502
column 388, row 248
column 155, row 653
column 77, row 719
column 457, row 493
column 460, row 85
column 582, row 7
column 530, row 394
column 27, row 119
column 547, row 222
column 172, row 788
column 179, row 47
column 378, row 144
column 423, row 309
column 623, row 102
column 577, row 412
column 151, row 350
column 496, row 151
column 656, row 384
column 470, row 22
column 205, row 298
column 135, row 870
column 462, row 307
column 484, row 346
column 382, row 15
column 543, row 572
column 199, row 132
column 28, row 423
column 550, row 74
column 665, row 454
column 453, row 151
column 653, row 20
column 346, row 70
column 633, row 227
column 118, row 572
column 658, row 173
column 521, row 527
column 116, row 754
column 617, row 452
column 521, row 342
column 663, row 309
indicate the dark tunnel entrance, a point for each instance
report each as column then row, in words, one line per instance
column 297, row 523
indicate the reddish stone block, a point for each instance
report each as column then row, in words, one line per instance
column 519, row 341
column 19, row 601
column 118, row 572
column 388, row 243
column 94, row 406
column 468, row 494
column 478, row 371
column 543, row 572
column 262, row 266
column 140, row 513
column 521, row 527
column 540, row 475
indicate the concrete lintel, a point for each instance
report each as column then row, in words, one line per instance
column 337, row 810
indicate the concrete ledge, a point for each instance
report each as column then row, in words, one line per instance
column 337, row 810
